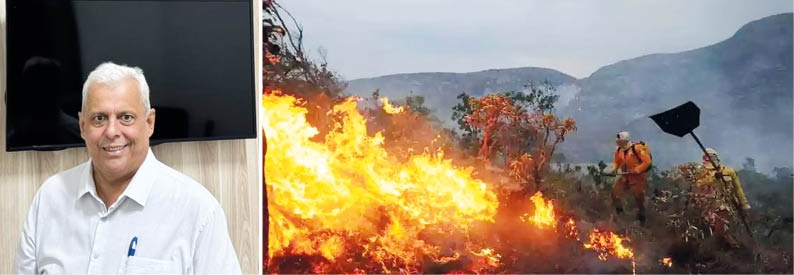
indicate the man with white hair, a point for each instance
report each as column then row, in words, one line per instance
column 123, row 211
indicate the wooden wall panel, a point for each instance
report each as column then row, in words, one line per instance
column 230, row 169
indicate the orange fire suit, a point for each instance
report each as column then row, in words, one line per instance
column 636, row 181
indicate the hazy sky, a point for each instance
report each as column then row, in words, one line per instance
column 366, row 38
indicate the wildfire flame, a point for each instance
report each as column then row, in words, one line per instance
column 543, row 216
column 490, row 256
column 447, row 259
column 273, row 59
column 347, row 200
column 608, row 243
column 668, row 262
column 388, row 108
column 570, row 229
column 348, row 197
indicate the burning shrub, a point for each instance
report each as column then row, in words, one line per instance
column 348, row 194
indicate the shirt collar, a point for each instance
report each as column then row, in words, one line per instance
column 139, row 187
column 87, row 182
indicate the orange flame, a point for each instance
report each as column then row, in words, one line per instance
column 570, row 229
column 447, row 259
column 491, row 258
column 324, row 198
column 668, row 262
column 273, row 59
column 543, row 216
column 388, row 108
column 608, row 243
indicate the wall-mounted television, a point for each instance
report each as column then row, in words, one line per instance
column 197, row 56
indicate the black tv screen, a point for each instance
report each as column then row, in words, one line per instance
column 197, row 56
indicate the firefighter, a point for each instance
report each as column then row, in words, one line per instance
column 633, row 159
column 713, row 197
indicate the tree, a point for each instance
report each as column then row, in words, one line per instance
column 522, row 130
column 539, row 97
column 294, row 72
column 416, row 103
column 553, row 131
column 540, row 124
column 469, row 137
column 490, row 114
column 557, row 128
column 459, row 113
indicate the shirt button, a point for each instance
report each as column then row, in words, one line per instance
column 96, row 256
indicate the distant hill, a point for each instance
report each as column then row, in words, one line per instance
column 742, row 84
column 441, row 89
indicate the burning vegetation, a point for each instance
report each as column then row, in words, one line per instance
column 349, row 204
column 380, row 190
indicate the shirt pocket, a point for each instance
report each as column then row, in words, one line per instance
column 141, row 265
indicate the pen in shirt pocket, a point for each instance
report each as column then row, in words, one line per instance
column 133, row 246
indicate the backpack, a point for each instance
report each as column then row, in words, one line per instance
column 644, row 147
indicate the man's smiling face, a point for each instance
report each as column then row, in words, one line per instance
column 116, row 127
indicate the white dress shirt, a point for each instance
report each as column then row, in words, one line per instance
column 180, row 227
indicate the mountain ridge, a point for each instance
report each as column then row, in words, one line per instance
column 743, row 85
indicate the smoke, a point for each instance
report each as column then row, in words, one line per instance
column 567, row 92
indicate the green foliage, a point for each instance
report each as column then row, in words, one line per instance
column 772, row 193
column 656, row 178
column 595, row 172
column 469, row 136
column 459, row 113
column 416, row 103
column 601, row 165
column 753, row 177
column 539, row 97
